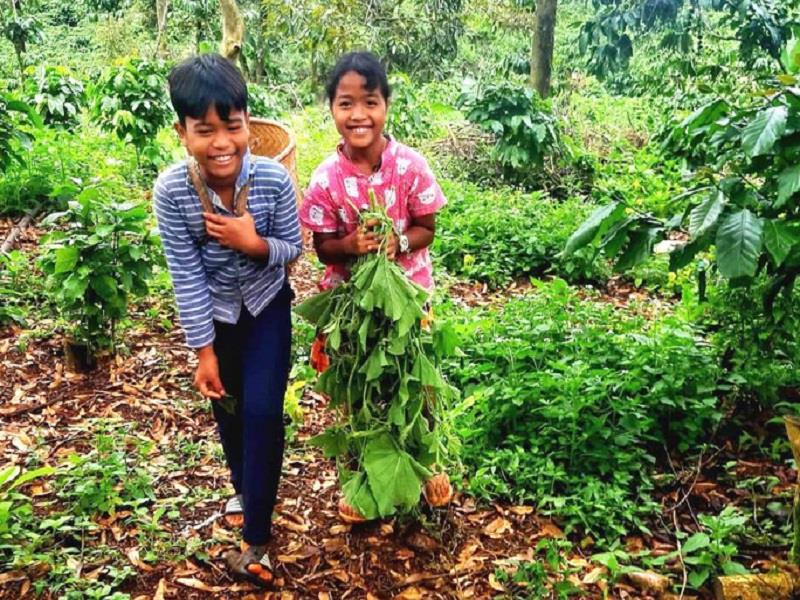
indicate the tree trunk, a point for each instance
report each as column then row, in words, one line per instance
column 232, row 30
column 769, row 586
column 542, row 47
column 162, row 8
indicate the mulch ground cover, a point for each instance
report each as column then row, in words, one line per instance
column 47, row 411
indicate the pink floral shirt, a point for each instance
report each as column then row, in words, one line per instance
column 404, row 183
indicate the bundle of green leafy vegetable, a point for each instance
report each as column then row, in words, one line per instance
column 383, row 381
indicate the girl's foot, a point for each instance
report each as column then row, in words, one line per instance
column 251, row 563
column 349, row 514
column 234, row 512
column 438, row 491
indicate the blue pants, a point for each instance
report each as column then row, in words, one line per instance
column 254, row 357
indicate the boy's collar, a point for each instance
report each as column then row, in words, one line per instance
column 248, row 169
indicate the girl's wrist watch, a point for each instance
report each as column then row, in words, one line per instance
column 403, row 243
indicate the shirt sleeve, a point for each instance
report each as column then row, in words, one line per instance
column 426, row 196
column 317, row 211
column 286, row 242
column 192, row 294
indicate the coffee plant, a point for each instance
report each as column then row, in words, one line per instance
column 101, row 257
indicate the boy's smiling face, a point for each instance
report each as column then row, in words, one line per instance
column 359, row 113
column 217, row 145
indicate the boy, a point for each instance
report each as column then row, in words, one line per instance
column 229, row 227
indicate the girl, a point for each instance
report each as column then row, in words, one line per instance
column 367, row 158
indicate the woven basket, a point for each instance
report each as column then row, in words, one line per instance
column 275, row 140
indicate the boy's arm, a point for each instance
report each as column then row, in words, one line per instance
column 192, row 295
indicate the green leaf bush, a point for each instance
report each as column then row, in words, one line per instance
column 131, row 101
column 570, row 402
column 522, row 124
column 103, row 255
column 57, row 95
column 498, row 236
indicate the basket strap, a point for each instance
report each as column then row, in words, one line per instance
column 239, row 204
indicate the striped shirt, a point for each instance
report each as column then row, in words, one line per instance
column 211, row 281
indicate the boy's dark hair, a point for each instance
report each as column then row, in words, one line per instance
column 365, row 64
column 205, row 80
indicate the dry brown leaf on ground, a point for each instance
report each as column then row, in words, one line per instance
column 649, row 581
column 161, row 590
column 196, row 584
column 498, row 527
column 551, row 530
column 494, row 584
column 521, row 510
column 12, row 576
column 410, row 593
column 133, row 556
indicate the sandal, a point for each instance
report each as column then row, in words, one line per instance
column 251, row 563
column 234, row 508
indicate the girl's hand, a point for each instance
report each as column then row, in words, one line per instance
column 363, row 240
column 238, row 233
column 392, row 246
column 206, row 378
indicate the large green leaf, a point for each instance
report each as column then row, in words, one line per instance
column 313, row 308
column 788, row 184
column 600, row 218
column 392, row 477
column 45, row 471
column 106, row 286
column 760, row 135
column 639, row 248
column 333, row 442
column 739, row 240
column 358, row 494
column 66, row 259
column 705, row 215
column 779, row 238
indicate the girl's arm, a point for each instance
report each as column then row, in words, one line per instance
column 333, row 250
column 420, row 235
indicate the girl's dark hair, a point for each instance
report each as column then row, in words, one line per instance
column 205, row 80
column 365, row 64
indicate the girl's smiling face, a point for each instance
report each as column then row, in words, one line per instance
column 359, row 113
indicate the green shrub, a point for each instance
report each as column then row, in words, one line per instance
column 102, row 257
column 496, row 236
column 56, row 94
column 131, row 101
column 13, row 139
column 56, row 155
column 567, row 400
column 521, row 123
column 108, row 477
column 408, row 118
column 263, row 102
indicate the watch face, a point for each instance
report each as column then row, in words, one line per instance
column 403, row 243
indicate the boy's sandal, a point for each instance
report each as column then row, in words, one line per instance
column 250, row 564
column 349, row 514
column 234, row 508
column 438, row 491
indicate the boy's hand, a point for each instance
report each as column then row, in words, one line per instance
column 238, row 233
column 206, row 378
column 363, row 240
